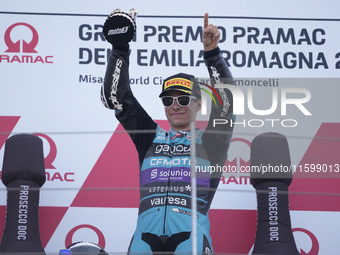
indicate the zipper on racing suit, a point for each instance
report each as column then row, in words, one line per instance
column 168, row 187
column 166, row 199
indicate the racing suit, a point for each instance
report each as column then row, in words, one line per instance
column 164, row 217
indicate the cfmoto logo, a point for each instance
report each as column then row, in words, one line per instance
column 27, row 47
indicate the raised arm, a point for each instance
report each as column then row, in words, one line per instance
column 116, row 92
column 217, row 137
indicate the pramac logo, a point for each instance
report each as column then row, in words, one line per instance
column 51, row 173
column 314, row 250
column 26, row 48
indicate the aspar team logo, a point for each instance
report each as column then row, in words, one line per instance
column 24, row 49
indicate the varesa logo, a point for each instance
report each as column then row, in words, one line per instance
column 21, row 40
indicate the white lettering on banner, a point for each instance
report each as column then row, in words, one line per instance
column 22, row 216
column 169, row 201
column 273, row 212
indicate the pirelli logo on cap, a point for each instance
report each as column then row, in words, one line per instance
column 178, row 82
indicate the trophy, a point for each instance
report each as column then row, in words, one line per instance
column 120, row 27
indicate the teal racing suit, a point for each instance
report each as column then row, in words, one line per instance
column 164, row 218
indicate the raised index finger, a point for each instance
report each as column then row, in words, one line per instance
column 206, row 20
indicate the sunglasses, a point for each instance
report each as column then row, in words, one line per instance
column 182, row 101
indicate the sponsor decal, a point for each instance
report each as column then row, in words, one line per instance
column 168, row 201
column 22, row 51
column 178, row 82
column 168, row 162
column 178, row 135
column 167, row 149
column 154, row 173
column 175, row 174
column 117, row 31
column 27, row 47
column 177, row 210
column 163, row 189
column 115, row 80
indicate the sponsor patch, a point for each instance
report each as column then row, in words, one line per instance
column 178, row 82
